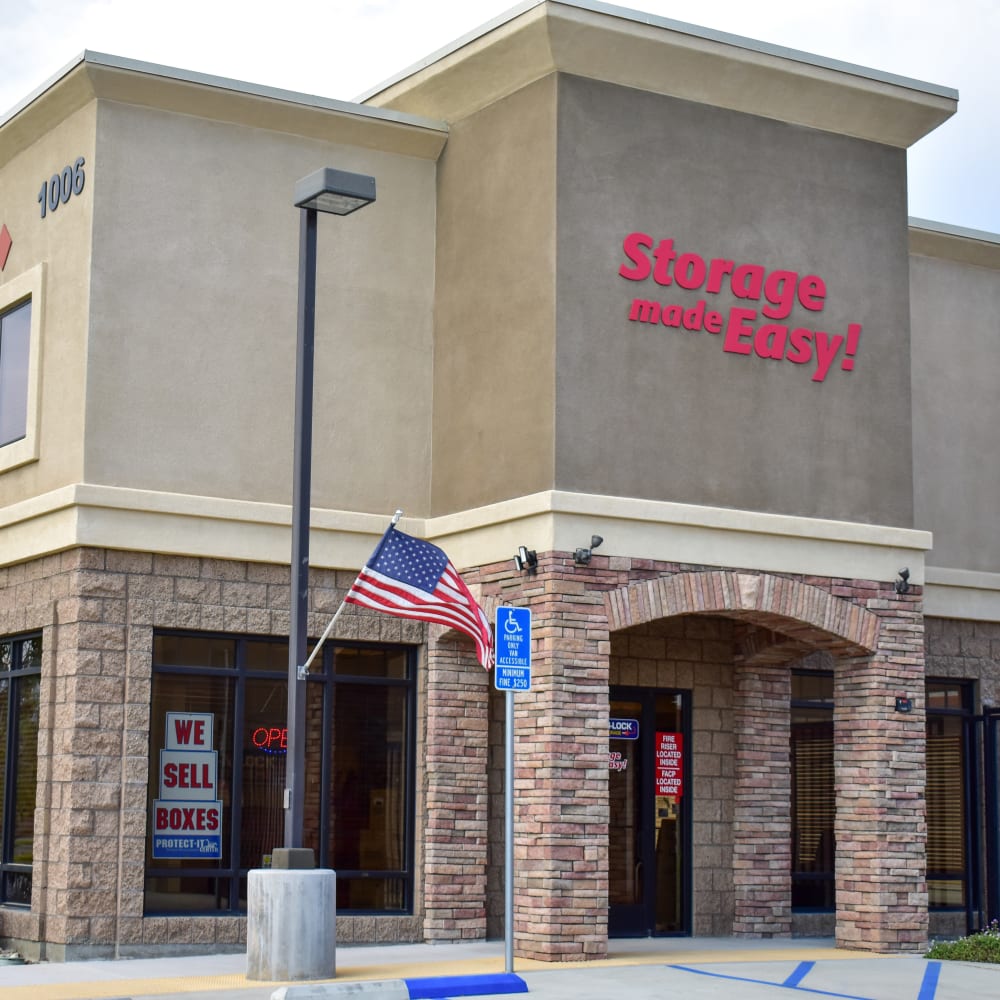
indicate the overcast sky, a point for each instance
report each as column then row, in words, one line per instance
column 340, row 48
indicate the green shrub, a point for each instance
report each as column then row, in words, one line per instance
column 981, row 947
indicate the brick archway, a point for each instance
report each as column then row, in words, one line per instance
column 561, row 845
column 876, row 638
column 796, row 610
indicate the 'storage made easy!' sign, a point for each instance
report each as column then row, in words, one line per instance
column 764, row 329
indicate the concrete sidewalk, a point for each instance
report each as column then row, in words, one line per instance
column 644, row 969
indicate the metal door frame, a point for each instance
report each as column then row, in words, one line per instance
column 647, row 727
column 985, row 786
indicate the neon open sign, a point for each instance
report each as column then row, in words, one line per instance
column 270, row 739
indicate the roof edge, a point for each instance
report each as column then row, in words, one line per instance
column 679, row 27
column 628, row 48
column 33, row 95
column 100, row 76
column 955, row 243
column 259, row 90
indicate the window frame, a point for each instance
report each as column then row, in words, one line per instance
column 26, row 287
column 965, row 712
column 827, row 878
column 8, row 790
column 234, row 874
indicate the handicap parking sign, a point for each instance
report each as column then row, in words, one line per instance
column 512, row 671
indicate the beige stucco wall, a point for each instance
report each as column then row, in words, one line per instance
column 956, row 409
column 438, row 329
column 192, row 342
column 50, row 261
column 650, row 410
column 495, row 304
column 644, row 410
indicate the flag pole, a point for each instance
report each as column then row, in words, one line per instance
column 303, row 671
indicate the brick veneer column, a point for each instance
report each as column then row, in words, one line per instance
column 880, row 774
column 561, row 787
column 88, row 685
column 457, row 793
column 762, row 853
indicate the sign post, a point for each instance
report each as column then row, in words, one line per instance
column 511, row 673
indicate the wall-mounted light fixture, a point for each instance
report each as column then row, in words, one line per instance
column 526, row 559
column 582, row 556
column 902, row 585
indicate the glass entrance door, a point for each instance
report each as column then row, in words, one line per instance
column 649, row 793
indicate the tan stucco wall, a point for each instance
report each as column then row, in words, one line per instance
column 495, row 304
column 649, row 410
column 192, row 347
column 50, row 261
column 436, row 364
column 956, row 409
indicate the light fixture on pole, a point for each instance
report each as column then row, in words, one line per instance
column 337, row 193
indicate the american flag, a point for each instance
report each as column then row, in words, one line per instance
column 411, row 578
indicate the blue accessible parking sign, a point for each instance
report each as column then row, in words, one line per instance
column 513, row 650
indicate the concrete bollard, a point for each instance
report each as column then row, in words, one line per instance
column 291, row 924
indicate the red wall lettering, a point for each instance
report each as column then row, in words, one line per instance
column 778, row 292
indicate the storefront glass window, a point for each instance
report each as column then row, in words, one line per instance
column 272, row 656
column 948, row 704
column 196, row 651
column 369, row 795
column 813, row 798
column 358, row 770
column 262, row 816
column 15, row 330
column 371, row 663
column 20, row 680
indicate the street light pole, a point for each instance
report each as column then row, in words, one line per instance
column 301, row 492
column 337, row 193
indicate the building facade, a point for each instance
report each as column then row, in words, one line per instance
column 636, row 298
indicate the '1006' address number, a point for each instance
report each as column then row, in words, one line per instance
column 59, row 188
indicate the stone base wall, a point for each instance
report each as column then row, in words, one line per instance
column 965, row 650
column 814, row 925
column 616, row 620
column 762, row 827
column 879, row 764
column 456, row 793
column 495, row 898
column 875, row 639
column 946, row 925
column 97, row 610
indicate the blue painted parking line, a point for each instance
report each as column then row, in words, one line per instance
column 780, row 986
column 929, row 986
column 801, row 971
